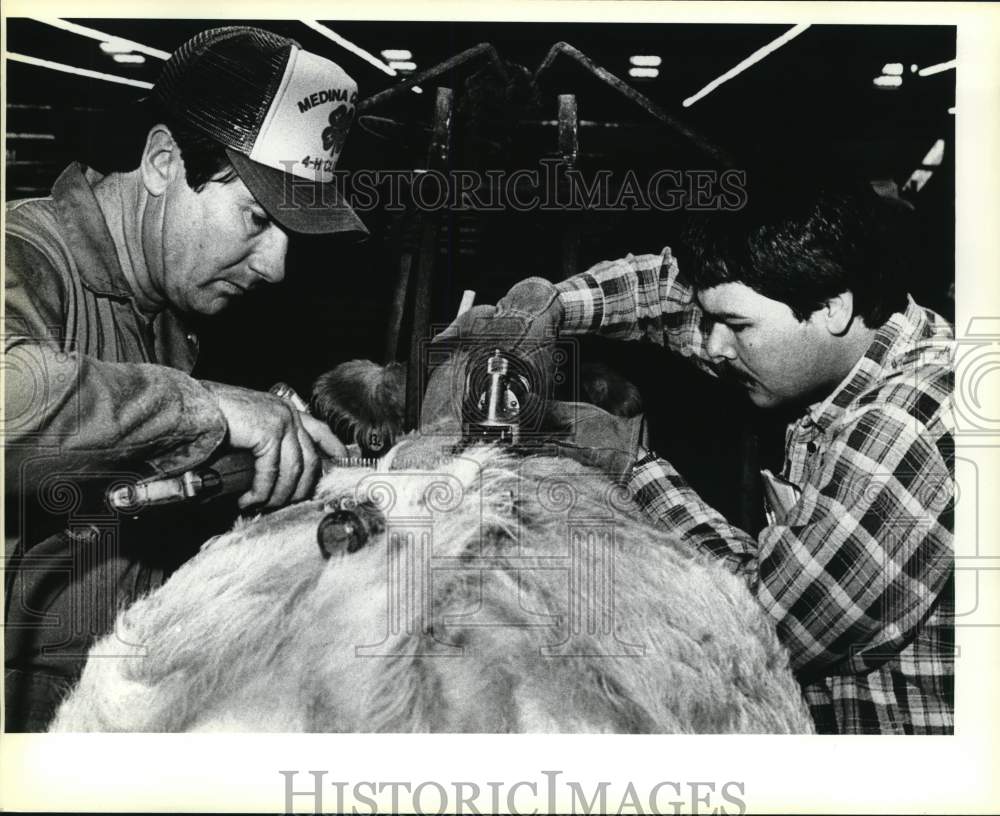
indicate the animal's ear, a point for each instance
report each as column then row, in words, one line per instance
column 323, row 399
column 608, row 389
column 391, row 394
column 341, row 396
column 363, row 402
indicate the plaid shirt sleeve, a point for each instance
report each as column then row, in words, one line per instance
column 638, row 297
column 858, row 563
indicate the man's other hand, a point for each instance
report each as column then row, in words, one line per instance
column 287, row 445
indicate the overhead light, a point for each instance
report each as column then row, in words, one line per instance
column 935, row 155
column 887, row 81
column 919, row 177
column 94, row 34
column 648, row 73
column 116, row 46
column 753, row 59
column 403, row 65
column 893, row 68
column 72, row 69
column 396, row 54
column 951, row 110
column 319, row 28
column 930, row 70
column 368, row 57
column 915, row 183
column 135, row 59
column 648, row 61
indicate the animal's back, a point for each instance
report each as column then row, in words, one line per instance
column 503, row 594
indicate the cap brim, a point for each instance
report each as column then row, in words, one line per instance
column 297, row 204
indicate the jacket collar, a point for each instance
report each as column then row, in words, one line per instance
column 100, row 269
column 91, row 242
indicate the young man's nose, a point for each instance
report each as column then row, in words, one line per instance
column 268, row 259
column 720, row 343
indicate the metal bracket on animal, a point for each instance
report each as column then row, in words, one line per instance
column 362, row 402
column 349, row 526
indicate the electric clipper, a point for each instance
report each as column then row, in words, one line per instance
column 228, row 473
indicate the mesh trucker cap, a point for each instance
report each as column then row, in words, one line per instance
column 280, row 112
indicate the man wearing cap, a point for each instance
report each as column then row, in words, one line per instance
column 244, row 132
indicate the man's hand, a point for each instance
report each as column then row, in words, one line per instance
column 530, row 309
column 286, row 444
column 525, row 322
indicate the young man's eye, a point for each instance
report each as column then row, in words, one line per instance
column 736, row 328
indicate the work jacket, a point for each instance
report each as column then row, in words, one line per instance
column 96, row 392
column 91, row 381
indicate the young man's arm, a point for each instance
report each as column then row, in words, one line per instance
column 859, row 561
column 638, row 297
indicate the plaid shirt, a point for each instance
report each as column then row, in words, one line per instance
column 858, row 574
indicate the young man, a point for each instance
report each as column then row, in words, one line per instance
column 100, row 280
column 800, row 299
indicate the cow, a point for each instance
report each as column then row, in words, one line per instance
column 477, row 592
column 453, row 587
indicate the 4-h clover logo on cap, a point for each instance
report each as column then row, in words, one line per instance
column 340, row 122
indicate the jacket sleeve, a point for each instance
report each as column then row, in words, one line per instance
column 74, row 413
column 858, row 563
column 638, row 297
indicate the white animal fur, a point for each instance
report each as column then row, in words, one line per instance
column 259, row 632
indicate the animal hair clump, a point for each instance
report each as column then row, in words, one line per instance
column 362, row 400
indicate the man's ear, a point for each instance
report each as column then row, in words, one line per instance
column 161, row 160
column 839, row 312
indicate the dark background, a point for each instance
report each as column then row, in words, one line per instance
column 811, row 106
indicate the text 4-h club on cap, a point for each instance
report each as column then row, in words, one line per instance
column 281, row 113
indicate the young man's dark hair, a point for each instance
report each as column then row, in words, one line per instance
column 802, row 243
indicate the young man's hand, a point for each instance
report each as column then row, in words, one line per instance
column 287, row 445
column 600, row 440
column 525, row 323
column 530, row 311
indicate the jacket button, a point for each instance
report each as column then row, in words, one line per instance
column 812, row 447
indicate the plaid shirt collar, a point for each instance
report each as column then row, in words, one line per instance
column 893, row 346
